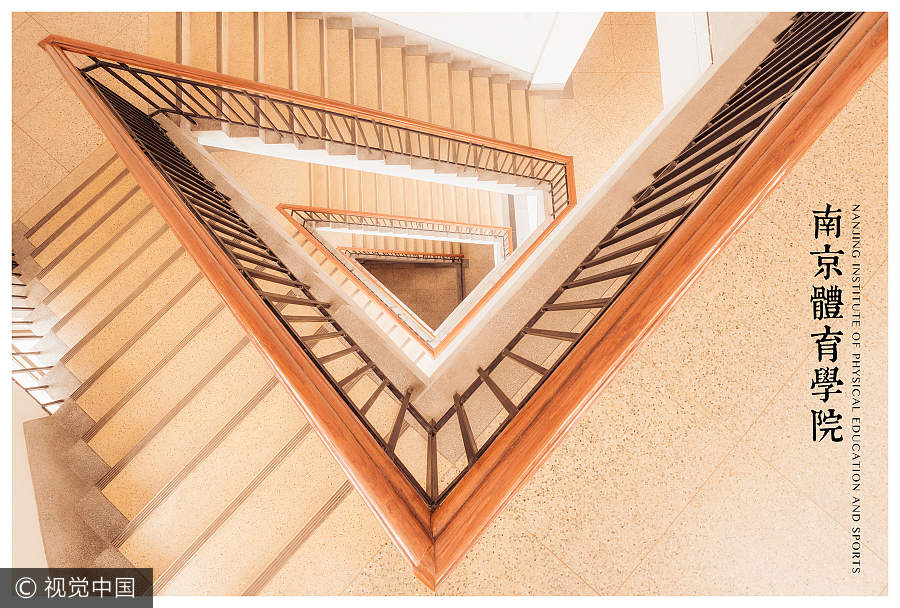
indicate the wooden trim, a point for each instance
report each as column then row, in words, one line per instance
column 422, row 324
column 436, row 349
column 397, row 252
column 533, row 434
column 286, row 208
column 392, row 498
column 64, row 43
column 358, row 282
column 435, row 542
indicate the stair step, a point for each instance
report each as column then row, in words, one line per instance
column 113, row 289
column 185, row 434
column 239, row 549
column 98, row 344
column 118, row 372
column 162, row 532
column 75, row 202
column 139, row 410
column 65, row 266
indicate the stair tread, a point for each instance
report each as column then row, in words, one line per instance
column 101, row 267
column 188, row 431
column 168, row 529
column 241, row 548
column 80, row 194
column 94, row 242
column 110, row 338
column 156, row 258
column 148, row 350
column 156, row 397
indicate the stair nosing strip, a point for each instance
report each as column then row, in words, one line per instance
column 137, row 336
column 100, row 251
column 182, row 560
column 81, row 238
column 90, row 433
column 131, row 297
column 56, row 233
column 37, row 226
column 199, row 457
column 102, row 284
column 299, row 539
column 115, row 469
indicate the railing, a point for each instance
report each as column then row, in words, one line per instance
column 398, row 255
column 413, row 227
column 26, row 371
column 416, row 328
column 572, row 346
column 309, row 121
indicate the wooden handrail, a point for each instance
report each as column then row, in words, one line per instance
column 533, row 434
column 434, row 542
column 288, row 207
column 444, row 342
column 102, row 52
column 215, row 78
column 399, row 253
column 360, row 284
column 392, row 498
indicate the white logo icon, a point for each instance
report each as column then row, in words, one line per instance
column 26, row 587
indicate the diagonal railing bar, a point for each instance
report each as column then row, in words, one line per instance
column 578, row 339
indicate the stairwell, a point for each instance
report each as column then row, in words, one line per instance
column 162, row 386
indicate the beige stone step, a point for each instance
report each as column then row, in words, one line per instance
column 440, row 98
column 127, row 371
column 417, row 83
column 239, row 55
column 242, row 547
column 97, row 346
column 393, row 79
column 308, row 56
column 276, row 59
column 114, row 290
column 67, row 295
column 368, row 70
column 518, row 100
column 126, row 421
column 461, row 97
column 164, row 530
column 538, row 116
column 203, row 42
column 318, row 562
column 185, row 433
column 339, row 51
column 500, row 105
column 79, row 196
column 66, row 265
column 57, row 198
column 482, row 104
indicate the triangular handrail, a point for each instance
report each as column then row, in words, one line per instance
column 767, row 141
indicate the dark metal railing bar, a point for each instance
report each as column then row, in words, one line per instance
column 398, row 423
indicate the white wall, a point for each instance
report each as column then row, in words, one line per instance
column 684, row 52
column 545, row 46
column 690, row 42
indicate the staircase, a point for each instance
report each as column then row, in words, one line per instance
column 348, row 59
column 161, row 386
column 168, row 389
